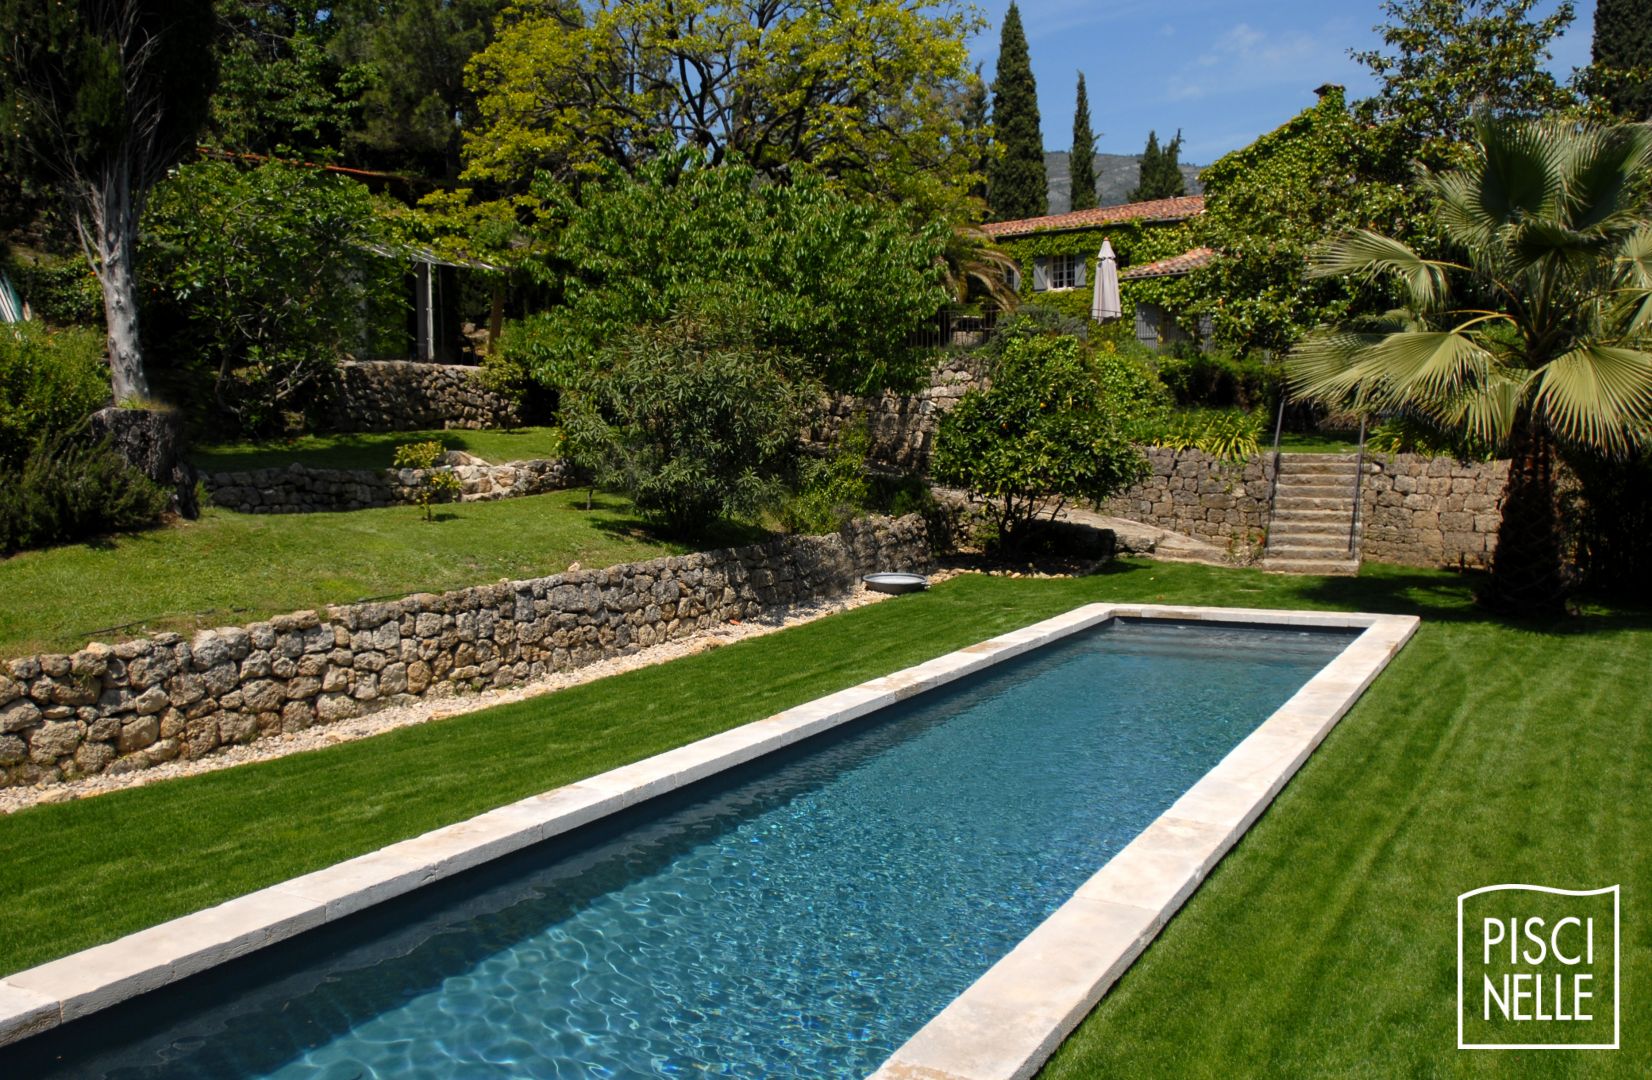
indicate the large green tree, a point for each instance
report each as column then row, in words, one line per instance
column 835, row 283
column 1622, row 55
column 1530, row 333
column 869, row 95
column 1081, row 163
column 1016, row 186
column 1448, row 61
column 281, row 88
column 101, row 97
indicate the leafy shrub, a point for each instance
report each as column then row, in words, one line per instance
column 695, row 423
column 1044, row 432
column 50, row 381
column 1132, row 392
column 1216, row 380
column 434, row 484
column 69, row 489
column 1409, row 434
column 833, row 489
column 259, row 280
column 1229, row 434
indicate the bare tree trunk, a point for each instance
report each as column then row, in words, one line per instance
column 114, row 239
column 1525, row 569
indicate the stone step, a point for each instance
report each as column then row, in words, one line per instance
column 1310, row 566
column 1332, row 548
column 1307, row 516
column 1320, row 459
column 1285, row 503
column 1282, row 529
column 1287, row 467
column 1325, row 491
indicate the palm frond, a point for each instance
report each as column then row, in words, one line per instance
column 1598, row 169
column 1408, row 368
column 1371, row 255
column 1519, row 173
column 1634, row 258
column 1487, row 412
column 1593, row 394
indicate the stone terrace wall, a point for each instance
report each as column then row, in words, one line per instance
column 138, row 703
column 1191, row 492
column 903, row 425
column 297, row 489
column 1416, row 511
column 1423, row 511
column 395, row 395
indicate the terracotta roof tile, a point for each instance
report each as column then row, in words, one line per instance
column 1178, row 209
column 1176, row 264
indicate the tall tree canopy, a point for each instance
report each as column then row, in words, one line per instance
column 1161, row 170
column 871, row 94
column 1452, row 60
column 1622, row 55
column 1016, row 186
column 1081, row 163
column 102, row 97
column 1532, row 330
column 280, row 87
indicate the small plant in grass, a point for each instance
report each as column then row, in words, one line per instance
column 432, row 485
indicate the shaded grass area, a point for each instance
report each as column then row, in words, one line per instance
column 1313, row 442
column 375, row 450
column 229, row 569
column 1324, row 945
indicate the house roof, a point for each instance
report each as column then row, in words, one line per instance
column 1176, row 264
column 1178, row 209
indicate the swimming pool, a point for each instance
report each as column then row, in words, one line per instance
column 801, row 916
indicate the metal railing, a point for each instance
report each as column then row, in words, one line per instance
column 1359, row 477
column 955, row 328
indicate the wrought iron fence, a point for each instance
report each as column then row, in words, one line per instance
column 955, row 328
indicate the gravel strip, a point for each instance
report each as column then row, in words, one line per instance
column 440, row 706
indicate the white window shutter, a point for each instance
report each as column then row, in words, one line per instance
column 1041, row 273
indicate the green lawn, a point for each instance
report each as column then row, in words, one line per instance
column 229, row 569
column 1329, row 442
column 376, row 450
column 1323, row 945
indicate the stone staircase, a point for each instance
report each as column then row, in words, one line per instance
column 1312, row 510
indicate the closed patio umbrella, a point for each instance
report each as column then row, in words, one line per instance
column 1104, row 302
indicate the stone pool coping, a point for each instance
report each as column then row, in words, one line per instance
column 1004, row 1025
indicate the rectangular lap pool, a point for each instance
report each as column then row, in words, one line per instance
column 803, row 914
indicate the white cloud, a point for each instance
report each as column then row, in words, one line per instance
column 1245, row 58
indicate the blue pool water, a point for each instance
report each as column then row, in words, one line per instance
column 802, row 916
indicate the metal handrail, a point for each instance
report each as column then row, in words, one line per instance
column 1273, row 482
column 1359, row 476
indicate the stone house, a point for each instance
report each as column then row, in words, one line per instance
column 1056, row 257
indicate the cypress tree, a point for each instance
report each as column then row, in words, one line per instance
column 1081, row 162
column 1161, row 172
column 1622, row 56
column 1016, row 186
column 1149, row 171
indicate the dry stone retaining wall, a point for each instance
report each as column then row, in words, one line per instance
column 1415, row 510
column 396, row 395
column 129, row 706
column 903, row 425
column 298, row 489
column 1423, row 511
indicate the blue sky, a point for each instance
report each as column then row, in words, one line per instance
column 1223, row 71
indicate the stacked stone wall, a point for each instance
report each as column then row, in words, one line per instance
column 902, row 426
column 129, row 706
column 1423, row 511
column 1191, row 492
column 299, row 489
column 395, row 395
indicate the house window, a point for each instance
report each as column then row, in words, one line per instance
column 1055, row 272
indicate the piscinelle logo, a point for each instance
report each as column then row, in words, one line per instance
column 1537, row 968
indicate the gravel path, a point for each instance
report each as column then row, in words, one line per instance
column 437, row 707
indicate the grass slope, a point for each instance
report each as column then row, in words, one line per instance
column 375, row 450
column 1323, row 945
column 229, row 569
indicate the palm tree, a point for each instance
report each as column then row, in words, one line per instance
column 1532, row 340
